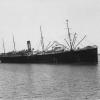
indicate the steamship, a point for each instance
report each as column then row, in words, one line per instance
column 54, row 53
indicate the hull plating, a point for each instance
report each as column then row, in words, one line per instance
column 83, row 55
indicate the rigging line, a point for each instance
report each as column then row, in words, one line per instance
column 52, row 44
column 74, row 39
column 67, row 43
column 80, row 41
column 47, row 46
column 74, row 43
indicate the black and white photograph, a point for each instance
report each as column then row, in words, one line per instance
column 49, row 50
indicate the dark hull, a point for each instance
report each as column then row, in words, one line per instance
column 83, row 55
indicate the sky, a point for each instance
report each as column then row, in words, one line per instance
column 23, row 18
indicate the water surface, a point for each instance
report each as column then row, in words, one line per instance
column 49, row 82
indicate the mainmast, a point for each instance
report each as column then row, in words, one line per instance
column 73, row 40
column 42, row 42
column 69, row 36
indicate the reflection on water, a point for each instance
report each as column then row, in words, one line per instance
column 49, row 82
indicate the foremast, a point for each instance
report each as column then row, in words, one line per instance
column 14, row 43
column 42, row 40
column 69, row 35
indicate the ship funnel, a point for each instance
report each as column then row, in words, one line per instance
column 29, row 45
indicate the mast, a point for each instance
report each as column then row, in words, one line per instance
column 69, row 36
column 3, row 46
column 14, row 43
column 42, row 42
column 73, row 41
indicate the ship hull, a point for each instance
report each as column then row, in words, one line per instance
column 79, row 56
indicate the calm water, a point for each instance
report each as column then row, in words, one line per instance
column 49, row 82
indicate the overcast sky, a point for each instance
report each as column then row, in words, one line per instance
column 24, row 17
